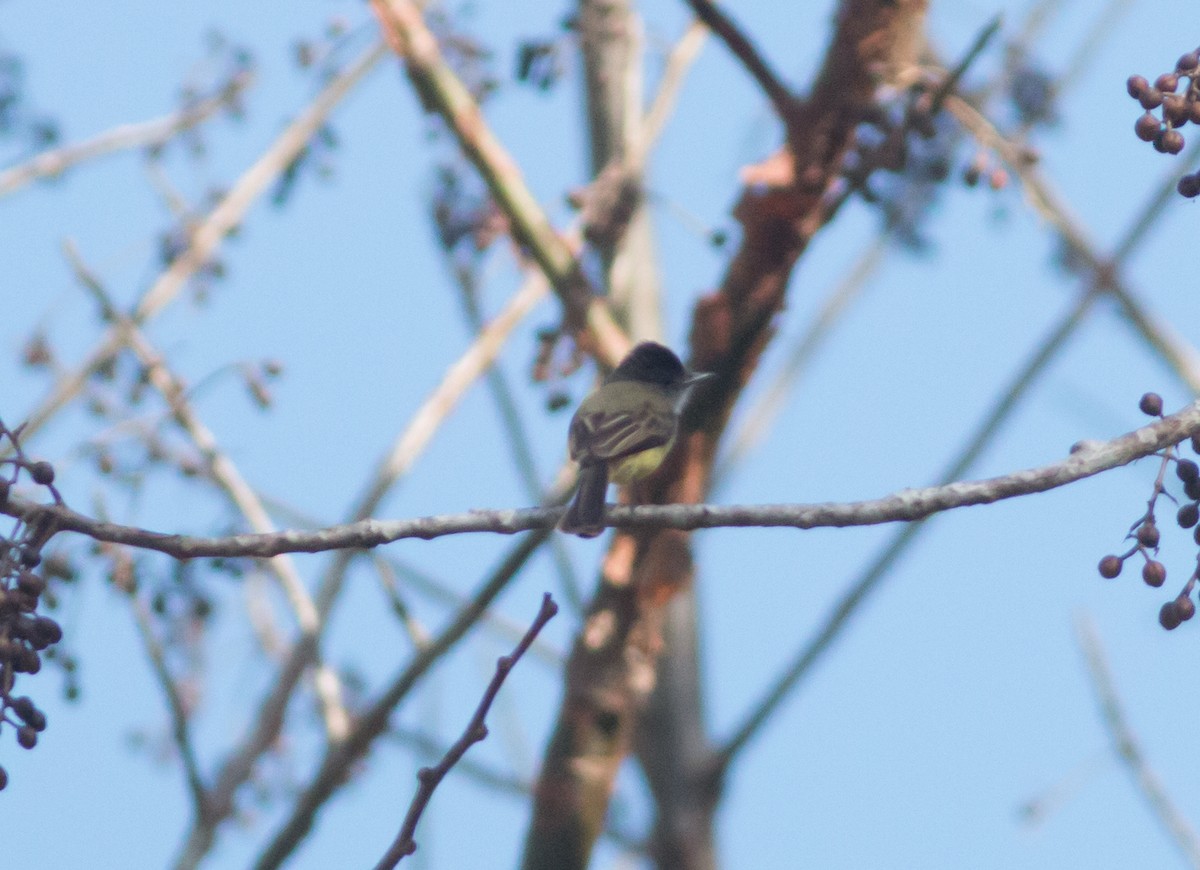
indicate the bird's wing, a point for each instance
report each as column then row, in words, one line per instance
column 598, row 436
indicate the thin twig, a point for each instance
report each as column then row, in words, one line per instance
column 1125, row 745
column 429, row 777
column 1088, row 459
column 180, row 731
column 145, row 134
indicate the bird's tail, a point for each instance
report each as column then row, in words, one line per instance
column 585, row 516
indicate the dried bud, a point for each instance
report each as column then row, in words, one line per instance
column 1152, row 404
column 1110, row 567
column 1154, row 573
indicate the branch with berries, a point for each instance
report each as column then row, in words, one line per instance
column 1145, row 532
column 1176, row 109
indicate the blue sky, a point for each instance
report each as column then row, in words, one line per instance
column 959, row 691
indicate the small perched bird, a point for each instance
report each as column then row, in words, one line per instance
column 624, row 430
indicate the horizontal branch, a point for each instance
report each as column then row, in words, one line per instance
column 1087, row 458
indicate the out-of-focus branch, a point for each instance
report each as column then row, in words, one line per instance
column 1125, row 746
column 141, row 135
column 180, row 731
column 441, row 90
column 469, row 367
column 209, row 233
column 1041, row 196
column 746, row 52
column 429, row 777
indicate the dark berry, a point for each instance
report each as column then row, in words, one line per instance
column 3, row 778
column 1168, row 618
column 1147, row 535
column 1189, row 186
column 1150, row 98
column 27, row 737
column 46, row 630
column 42, row 473
column 1188, row 62
column 1147, row 127
column 1175, row 110
column 1188, row 515
column 1110, row 567
column 1185, row 608
column 1187, row 470
column 1151, row 403
column 1136, row 85
column 1167, row 82
column 1172, row 141
column 1154, row 573
column 30, row 583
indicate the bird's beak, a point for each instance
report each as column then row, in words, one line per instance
column 694, row 378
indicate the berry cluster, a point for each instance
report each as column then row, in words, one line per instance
column 1145, row 533
column 1178, row 107
column 24, row 633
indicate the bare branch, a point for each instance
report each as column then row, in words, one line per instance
column 429, row 777
column 142, row 135
column 1088, row 459
column 1125, row 745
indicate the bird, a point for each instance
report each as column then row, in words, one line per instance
column 624, row 430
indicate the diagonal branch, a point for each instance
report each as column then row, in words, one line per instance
column 429, row 777
column 127, row 136
column 1125, row 746
column 440, row 89
column 745, row 51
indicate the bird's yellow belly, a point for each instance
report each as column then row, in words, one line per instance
column 639, row 465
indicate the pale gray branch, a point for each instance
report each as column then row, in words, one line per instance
column 1088, row 458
